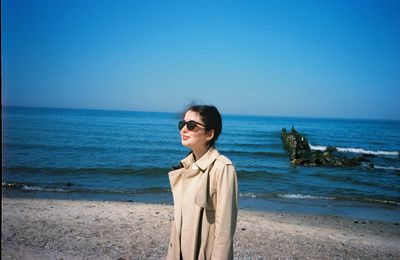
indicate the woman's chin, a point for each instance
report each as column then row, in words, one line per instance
column 186, row 143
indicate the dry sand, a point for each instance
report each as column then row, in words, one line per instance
column 64, row 229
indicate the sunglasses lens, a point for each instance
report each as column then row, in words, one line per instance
column 191, row 125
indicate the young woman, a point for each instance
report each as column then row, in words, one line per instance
column 205, row 192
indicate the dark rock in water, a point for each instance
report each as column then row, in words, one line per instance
column 301, row 154
column 330, row 149
column 295, row 143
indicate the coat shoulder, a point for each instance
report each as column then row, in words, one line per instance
column 224, row 160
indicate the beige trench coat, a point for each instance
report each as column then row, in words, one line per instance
column 205, row 196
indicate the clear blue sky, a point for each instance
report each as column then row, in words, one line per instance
column 282, row 58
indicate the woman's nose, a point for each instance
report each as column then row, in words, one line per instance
column 184, row 129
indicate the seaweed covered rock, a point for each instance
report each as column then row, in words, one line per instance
column 295, row 143
column 301, row 153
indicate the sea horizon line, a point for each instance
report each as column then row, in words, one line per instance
column 224, row 114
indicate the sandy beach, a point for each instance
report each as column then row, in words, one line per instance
column 65, row 229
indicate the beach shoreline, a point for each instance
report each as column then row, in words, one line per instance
column 347, row 209
column 79, row 229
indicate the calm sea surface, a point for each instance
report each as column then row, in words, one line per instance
column 117, row 155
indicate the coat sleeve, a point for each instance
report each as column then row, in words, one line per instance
column 226, row 213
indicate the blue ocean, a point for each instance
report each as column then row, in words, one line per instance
column 126, row 156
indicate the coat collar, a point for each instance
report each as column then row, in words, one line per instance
column 204, row 162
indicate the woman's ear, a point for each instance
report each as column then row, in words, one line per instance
column 210, row 135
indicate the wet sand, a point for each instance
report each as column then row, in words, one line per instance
column 66, row 229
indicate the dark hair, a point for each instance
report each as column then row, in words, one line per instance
column 211, row 118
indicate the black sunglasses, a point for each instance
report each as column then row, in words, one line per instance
column 191, row 124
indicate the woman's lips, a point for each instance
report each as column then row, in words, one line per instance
column 184, row 137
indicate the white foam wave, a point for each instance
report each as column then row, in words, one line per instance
column 301, row 196
column 355, row 150
column 32, row 188
column 363, row 151
column 384, row 201
column 318, row 147
column 248, row 195
column 36, row 188
column 390, row 168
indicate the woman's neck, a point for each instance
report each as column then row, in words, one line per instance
column 199, row 152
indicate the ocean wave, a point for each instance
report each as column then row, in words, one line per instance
column 52, row 148
column 88, row 170
column 37, row 188
column 11, row 185
column 318, row 147
column 248, row 195
column 253, row 195
column 255, row 153
column 382, row 201
column 301, row 196
column 68, row 189
column 387, row 168
column 356, row 150
column 363, row 151
column 296, row 196
column 260, row 174
column 246, row 145
column 33, row 187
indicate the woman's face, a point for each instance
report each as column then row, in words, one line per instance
column 198, row 137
